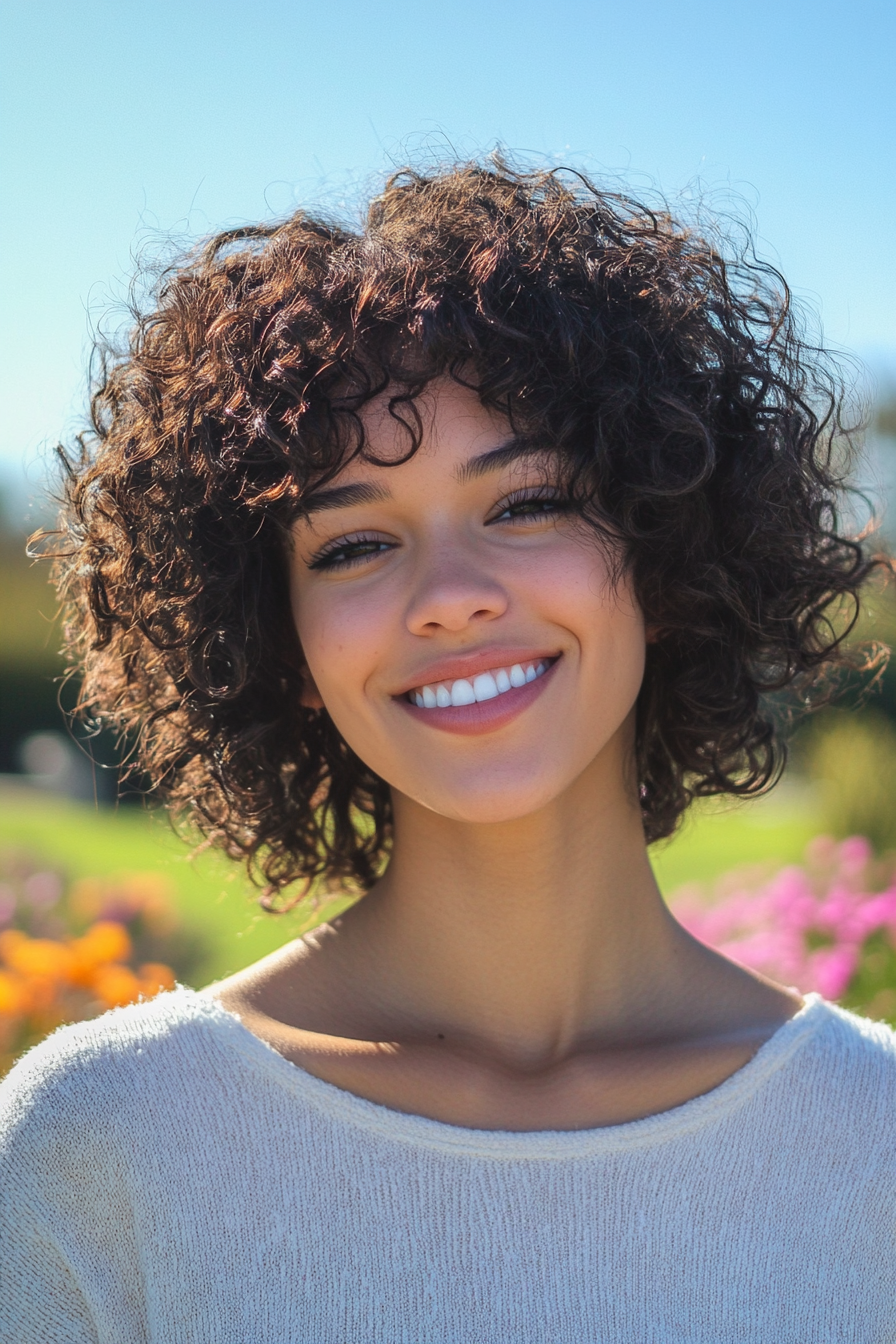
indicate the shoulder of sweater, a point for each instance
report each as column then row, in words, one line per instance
column 855, row 1059
column 857, row 1036
column 88, row 1070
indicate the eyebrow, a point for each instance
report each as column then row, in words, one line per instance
column 343, row 497
column 496, row 458
column 368, row 492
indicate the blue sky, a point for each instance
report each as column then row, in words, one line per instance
column 124, row 123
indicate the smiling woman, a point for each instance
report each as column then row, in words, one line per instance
column 446, row 563
column 464, row 572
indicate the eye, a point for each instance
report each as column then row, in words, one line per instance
column 535, row 504
column 348, row 551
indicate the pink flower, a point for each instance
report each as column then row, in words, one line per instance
column 804, row 926
column 830, row 970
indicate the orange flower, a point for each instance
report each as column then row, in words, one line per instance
column 155, row 976
column 10, row 939
column 14, row 998
column 39, row 957
column 116, row 985
column 41, row 991
column 45, row 982
column 103, row 943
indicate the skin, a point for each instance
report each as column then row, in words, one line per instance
column 516, row 967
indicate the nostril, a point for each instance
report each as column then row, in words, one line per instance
column 448, row 604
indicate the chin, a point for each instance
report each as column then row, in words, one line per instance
column 488, row 812
column 488, row 802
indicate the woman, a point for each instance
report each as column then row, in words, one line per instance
column 447, row 563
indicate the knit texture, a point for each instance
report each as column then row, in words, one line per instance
column 165, row 1176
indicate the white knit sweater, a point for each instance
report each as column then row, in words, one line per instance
column 167, row 1177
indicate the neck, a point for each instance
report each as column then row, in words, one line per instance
column 522, row 939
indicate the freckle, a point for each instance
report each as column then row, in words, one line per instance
column 441, row 1037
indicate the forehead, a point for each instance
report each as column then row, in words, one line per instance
column 441, row 440
column 447, row 420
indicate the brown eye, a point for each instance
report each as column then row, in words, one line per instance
column 524, row 506
column 352, row 551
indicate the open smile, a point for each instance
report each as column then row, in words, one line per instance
column 482, row 703
column 487, row 685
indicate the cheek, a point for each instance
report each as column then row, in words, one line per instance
column 577, row 587
column 342, row 636
column 572, row 585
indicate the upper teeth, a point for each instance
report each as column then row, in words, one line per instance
column 486, row 686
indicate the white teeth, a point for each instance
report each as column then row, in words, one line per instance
column 485, row 687
column 462, row 693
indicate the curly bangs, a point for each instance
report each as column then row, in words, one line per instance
column 674, row 385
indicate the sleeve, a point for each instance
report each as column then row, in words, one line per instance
column 42, row 1297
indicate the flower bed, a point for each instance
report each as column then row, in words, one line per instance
column 828, row 925
column 70, row 951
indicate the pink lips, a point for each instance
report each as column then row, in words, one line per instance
column 486, row 716
column 470, row 665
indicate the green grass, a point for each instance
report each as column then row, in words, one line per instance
column 717, row 836
column 216, row 901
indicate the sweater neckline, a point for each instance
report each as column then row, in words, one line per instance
column 423, row 1132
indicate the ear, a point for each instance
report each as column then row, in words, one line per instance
column 653, row 633
column 311, row 696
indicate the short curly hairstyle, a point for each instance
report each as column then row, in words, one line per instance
column 692, row 420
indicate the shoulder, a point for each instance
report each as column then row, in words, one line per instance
column 92, row 1122
column 847, row 1066
column 90, row 1077
column 856, row 1042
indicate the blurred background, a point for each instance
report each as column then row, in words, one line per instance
column 130, row 130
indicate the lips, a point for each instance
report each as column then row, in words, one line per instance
column 487, row 685
column 490, row 710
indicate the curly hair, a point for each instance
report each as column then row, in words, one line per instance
column 691, row 418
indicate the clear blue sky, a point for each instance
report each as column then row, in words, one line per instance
column 124, row 119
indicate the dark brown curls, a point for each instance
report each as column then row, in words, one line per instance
column 690, row 418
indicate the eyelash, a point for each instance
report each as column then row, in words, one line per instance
column 551, row 501
column 337, row 555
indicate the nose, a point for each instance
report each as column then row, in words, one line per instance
column 453, row 594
